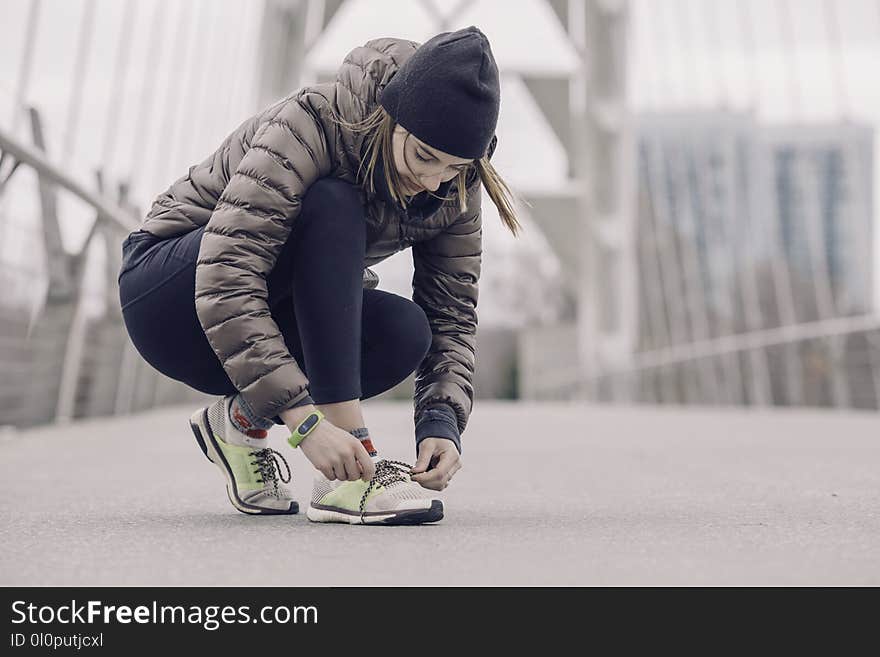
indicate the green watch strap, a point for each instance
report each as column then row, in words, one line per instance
column 305, row 428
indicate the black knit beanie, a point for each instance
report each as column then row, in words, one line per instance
column 447, row 93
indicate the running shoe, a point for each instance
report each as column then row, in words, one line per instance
column 253, row 471
column 389, row 498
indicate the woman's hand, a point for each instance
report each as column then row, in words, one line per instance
column 337, row 454
column 438, row 460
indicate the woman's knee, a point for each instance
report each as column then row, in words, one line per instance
column 395, row 326
column 412, row 333
column 403, row 338
column 425, row 336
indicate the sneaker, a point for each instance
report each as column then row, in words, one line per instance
column 252, row 470
column 389, row 498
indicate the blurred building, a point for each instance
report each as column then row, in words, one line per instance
column 745, row 228
column 723, row 199
column 696, row 222
column 822, row 197
column 755, row 258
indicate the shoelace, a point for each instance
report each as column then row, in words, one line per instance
column 269, row 466
column 387, row 472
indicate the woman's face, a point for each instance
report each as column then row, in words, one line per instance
column 420, row 166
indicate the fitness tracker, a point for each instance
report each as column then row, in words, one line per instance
column 305, row 428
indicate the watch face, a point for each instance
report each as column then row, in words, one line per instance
column 308, row 423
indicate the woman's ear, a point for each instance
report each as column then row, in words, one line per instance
column 492, row 144
column 471, row 176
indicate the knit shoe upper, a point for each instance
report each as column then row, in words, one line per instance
column 253, row 470
column 389, row 498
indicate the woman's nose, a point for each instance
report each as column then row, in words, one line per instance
column 431, row 183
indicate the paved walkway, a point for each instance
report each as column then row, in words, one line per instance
column 550, row 494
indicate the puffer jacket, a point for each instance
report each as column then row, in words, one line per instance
column 249, row 193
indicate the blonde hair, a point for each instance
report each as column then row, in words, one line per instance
column 379, row 126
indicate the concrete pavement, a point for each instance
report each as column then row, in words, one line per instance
column 551, row 494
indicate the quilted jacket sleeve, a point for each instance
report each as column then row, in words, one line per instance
column 242, row 240
column 445, row 285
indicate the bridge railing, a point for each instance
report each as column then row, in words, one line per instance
column 832, row 363
column 60, row 360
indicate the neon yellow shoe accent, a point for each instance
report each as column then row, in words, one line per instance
column 243, row 465
column 349, row 494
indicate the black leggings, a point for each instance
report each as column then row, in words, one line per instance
column 351, row 342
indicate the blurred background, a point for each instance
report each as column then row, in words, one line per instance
column 696, row 178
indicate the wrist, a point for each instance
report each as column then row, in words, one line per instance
column 438, row 422
column 293, row 417
column 305, row 429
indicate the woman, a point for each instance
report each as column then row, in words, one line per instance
column 250, row 277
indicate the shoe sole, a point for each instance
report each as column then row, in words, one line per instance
column 406, row 517
column 208, row 444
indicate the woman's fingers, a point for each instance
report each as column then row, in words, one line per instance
column 352, row 469
column 426, row 451
column 438, row 477
column 365, row 463
column 455, row 468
